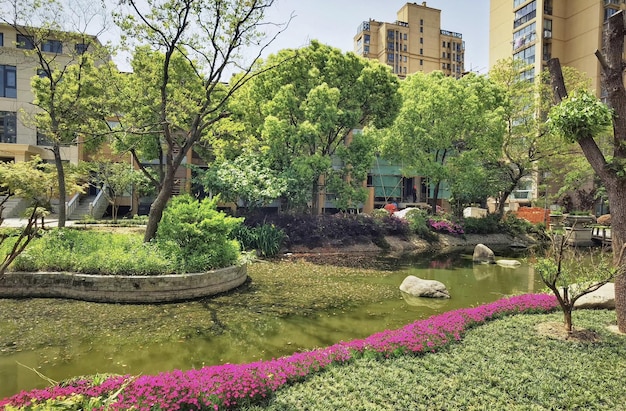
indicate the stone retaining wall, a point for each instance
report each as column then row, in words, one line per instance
column 121, row 289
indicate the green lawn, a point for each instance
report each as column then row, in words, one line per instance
column 501, row 365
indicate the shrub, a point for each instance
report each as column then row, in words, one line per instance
column 92, row 252
column 418, row 224
column 516, row 226
column 267, row 239
column 196, row 236
column 485, row 225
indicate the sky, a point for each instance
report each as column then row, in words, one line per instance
column 335, row 22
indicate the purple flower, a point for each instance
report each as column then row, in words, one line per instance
column 223, row 386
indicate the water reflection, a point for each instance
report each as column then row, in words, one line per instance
column 469, row 285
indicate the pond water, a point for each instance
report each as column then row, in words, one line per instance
column 469, row 285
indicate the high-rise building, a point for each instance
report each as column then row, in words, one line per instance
column 415, row 42
column 537, row 30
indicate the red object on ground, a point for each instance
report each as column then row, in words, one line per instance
column 534, row 214
column 392, row 208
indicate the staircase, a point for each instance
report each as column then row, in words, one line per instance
column 93, row 206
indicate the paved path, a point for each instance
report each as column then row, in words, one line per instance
column 50, row 221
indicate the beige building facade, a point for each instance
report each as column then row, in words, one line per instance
column 538, row 30
column 19, row 139
column 414, row 42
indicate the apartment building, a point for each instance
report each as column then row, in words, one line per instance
column 414, row 42
column 538, row 30
column 19, row 139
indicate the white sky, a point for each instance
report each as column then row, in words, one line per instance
column 335, row 22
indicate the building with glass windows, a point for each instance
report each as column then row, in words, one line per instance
column 415, row 42
column 538, row 30
column 20, row 140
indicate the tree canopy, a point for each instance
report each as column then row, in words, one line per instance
column 445, row 121
column 302, row 115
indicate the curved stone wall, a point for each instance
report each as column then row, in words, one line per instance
column 121, row 289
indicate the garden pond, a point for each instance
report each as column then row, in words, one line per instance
column 287, row 306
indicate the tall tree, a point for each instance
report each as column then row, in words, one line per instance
column 302, row 112
column 53, row 34
column 187, row 48
column 442, row 118
column 581, row 117
column 528, row 141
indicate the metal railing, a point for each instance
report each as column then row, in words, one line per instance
column 97, row 202
column 70, row 206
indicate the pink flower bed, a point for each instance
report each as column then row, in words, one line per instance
column 223, row 386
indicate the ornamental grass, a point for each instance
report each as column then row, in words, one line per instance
column 226, row 386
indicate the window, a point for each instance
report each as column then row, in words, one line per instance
column 421, row 40
column 8, row 127
column 81, row 48
column 608, row 12
column 42, row 139
column 516, row 3
column 1, row 39
column 443, row 66
column 390, row 57
column 525, row 36
column 443, row 44
column 52, row 46
column 25, row 42
column 8, row 81
column 525, row 14
column 421, row 22
column 421, row 62
column 405, row 37
column 448, row 44
column 421, row 30
column 404, row 48
column 421, row 51
column 390, row 35
column 443, row 54
column 527, row 55
column 366, row 39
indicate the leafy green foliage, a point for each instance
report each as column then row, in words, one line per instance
column 489, row 224
column 418, row 223
column 92, row 252
column 580, row 115
column 267, row 239
column 443, row 120
column 300, row 115
column 196, row 236
column 245, row 178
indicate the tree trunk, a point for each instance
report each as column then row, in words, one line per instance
column 612, row 81
column 61, row 181
column 158, row 205
column 315, row 196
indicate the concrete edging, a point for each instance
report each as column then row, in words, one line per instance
column 121, row 289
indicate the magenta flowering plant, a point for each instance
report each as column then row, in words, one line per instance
column 446, row 227
column 224, row 386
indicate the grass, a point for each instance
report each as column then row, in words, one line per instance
column 504, row 364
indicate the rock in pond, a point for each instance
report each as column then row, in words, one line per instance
column 483, row 254
column 418, row 287
column 508, row 263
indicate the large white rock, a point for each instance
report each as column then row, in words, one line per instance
column 602, row 298
column 483, row 254
column 424, row 288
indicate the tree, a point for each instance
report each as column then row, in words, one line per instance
column 115, row 179
column 581, row 117
column 568, row 277
column 175, row 95
column 245, row 178
column 302, row 113
column 68, row 93
column 37, row 182
column 442, row 118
